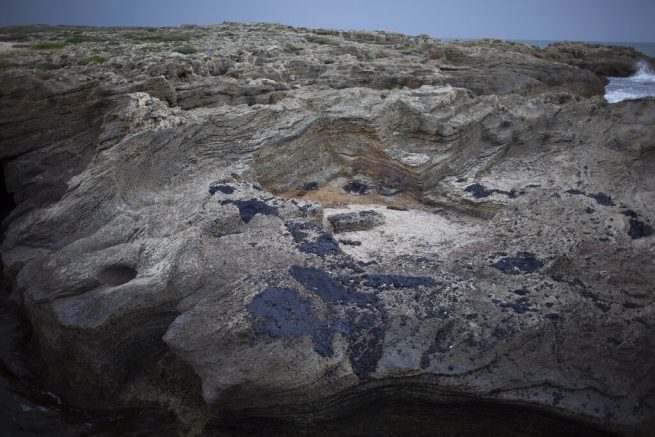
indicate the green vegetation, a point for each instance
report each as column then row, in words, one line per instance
column 406, row 47
column 322, row 40
column 290, row 48
column 7, row 65
column 77, row 39
column 157, row 38
column 96, row 59
column 265, row 27
column 48, row 45
column 186, row 50
column 22, row 37
column 49, row 66
column 16, row 33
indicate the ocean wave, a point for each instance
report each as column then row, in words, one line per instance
column 637, row 86
column 644, row 72
column 619, row 96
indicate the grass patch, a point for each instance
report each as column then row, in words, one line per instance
column 49, row 66
column 322, row 40
column 48, row 45
column 22, row 37
column 17, row 33
column 30, row 29
column 7, row 65
column 186, row 50
column 157, row 38
column 78, row 39
column 491, row 41
column 405, row 47
column 94, row 60
column 290, row 48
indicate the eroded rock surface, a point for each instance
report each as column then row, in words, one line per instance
column 355, row 221
column 171, row 242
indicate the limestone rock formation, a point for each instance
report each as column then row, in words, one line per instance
column 172, row 245
column 355, row 221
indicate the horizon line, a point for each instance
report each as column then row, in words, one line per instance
column 516, row 39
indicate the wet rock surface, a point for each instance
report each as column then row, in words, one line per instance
column 176, row 196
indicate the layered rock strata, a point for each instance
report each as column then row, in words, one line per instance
column 171, row 241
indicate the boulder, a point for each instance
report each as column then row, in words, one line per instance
column 355, row 221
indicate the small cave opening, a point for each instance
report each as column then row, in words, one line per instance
column 116, row 275
column 392, row 416
column 7, row 203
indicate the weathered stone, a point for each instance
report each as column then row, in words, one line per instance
column 355, row 221
column 155, row 230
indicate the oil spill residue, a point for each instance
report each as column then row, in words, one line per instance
column 600, row 198
column 523, row 262
column 638, row 229
column 328, row 289
column 249, row 208
column 309, row 238
column 479, row 191
column 283, row 313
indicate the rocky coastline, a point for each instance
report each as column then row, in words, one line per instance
column 260, row 228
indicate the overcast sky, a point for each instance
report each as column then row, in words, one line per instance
column 591, row 20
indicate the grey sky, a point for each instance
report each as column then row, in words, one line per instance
column 591, row 20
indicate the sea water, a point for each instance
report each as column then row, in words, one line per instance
column 647, row 48
column 641, row 84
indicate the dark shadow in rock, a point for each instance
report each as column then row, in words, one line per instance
column 440, row 344
column 7, row 203
column 116, row 275
column 349, row 242
column 310, row 186
column 519, row 306
column 355, row 221
column 357, row 187
column 395, row 281
column 395, row 410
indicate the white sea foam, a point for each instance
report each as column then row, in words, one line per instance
column 641, row 84
column 644, row 72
